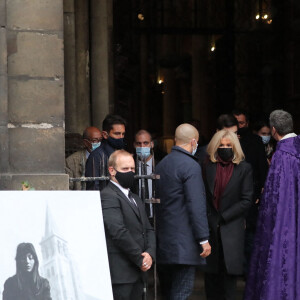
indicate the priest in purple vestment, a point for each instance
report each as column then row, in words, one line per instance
column 275, row 264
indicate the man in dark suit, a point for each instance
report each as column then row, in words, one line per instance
column 255, row 155
column 182, row 228
column 129, row 236
column 113, row 131
column 145, row 165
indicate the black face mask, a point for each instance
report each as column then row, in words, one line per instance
column 126, row 180
column 242, row 131
column 116, row 143
column 226, row 154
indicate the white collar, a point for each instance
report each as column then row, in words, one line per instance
column 123, row 190
column 289, row 135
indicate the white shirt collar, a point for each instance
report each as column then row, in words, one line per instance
column 123, row 190
column 289, row 135
column 87, row 154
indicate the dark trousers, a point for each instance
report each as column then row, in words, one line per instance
column 221, row 285
column 249, row 240
column 176, row 281
column 128, row 291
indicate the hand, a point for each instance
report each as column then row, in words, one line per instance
column 147, row 262
column 206, row 250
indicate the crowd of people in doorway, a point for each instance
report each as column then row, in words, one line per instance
column 230, row 207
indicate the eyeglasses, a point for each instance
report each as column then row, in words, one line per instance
column 94, row 140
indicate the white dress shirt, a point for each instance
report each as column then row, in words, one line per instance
column 123, row 190
column 149, row 165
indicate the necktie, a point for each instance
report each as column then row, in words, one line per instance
column 131, row 199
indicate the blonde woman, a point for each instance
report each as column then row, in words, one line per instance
column 229, row 188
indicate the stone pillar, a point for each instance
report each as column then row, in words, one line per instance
column 77, row 74
column 101, row 16
column 82, row 64
column 32, row 94
column 70, row 67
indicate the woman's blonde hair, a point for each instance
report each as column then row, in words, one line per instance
column 212, row 148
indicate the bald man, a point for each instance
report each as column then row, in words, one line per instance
column 129, row 236
column 182, row 228
column 75, row 163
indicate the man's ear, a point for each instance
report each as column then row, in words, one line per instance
column 112, row 171
column 87, row 145
column 105, row 134
column 152, row 144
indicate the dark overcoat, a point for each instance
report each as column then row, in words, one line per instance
column 97, row 165
column 128, row 234
column 181, row 214
column 229, row 221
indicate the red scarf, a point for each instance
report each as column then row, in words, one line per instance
column 223, row 175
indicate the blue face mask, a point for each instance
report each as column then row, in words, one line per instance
column 95, row 145
column 116, row 143
column 266, row 139
column 143, row 152
column 195, row 150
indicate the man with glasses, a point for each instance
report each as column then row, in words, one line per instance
column 75, row 163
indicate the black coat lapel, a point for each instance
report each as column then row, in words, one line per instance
column 125, row 199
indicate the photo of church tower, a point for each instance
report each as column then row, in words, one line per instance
column 57, row 265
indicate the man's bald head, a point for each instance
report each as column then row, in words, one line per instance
column 185, row 133
column 90, row 132
column 91, row 135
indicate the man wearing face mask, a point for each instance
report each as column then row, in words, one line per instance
column 129, row 236
column 254, row 151
column 255, row 155
column 144, row 165
column 75, row 163
column 182, row 228
column 262, row 129
column 113, row 131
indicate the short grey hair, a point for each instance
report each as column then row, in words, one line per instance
column 282, row 121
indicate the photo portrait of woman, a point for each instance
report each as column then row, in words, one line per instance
column 229, row 192
column 27, row 284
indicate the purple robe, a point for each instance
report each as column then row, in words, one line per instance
column 274, row 272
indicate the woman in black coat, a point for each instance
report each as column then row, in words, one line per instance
column 229, row 189
column 27, row 284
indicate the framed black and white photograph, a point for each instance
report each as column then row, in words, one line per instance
column 53, row 246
